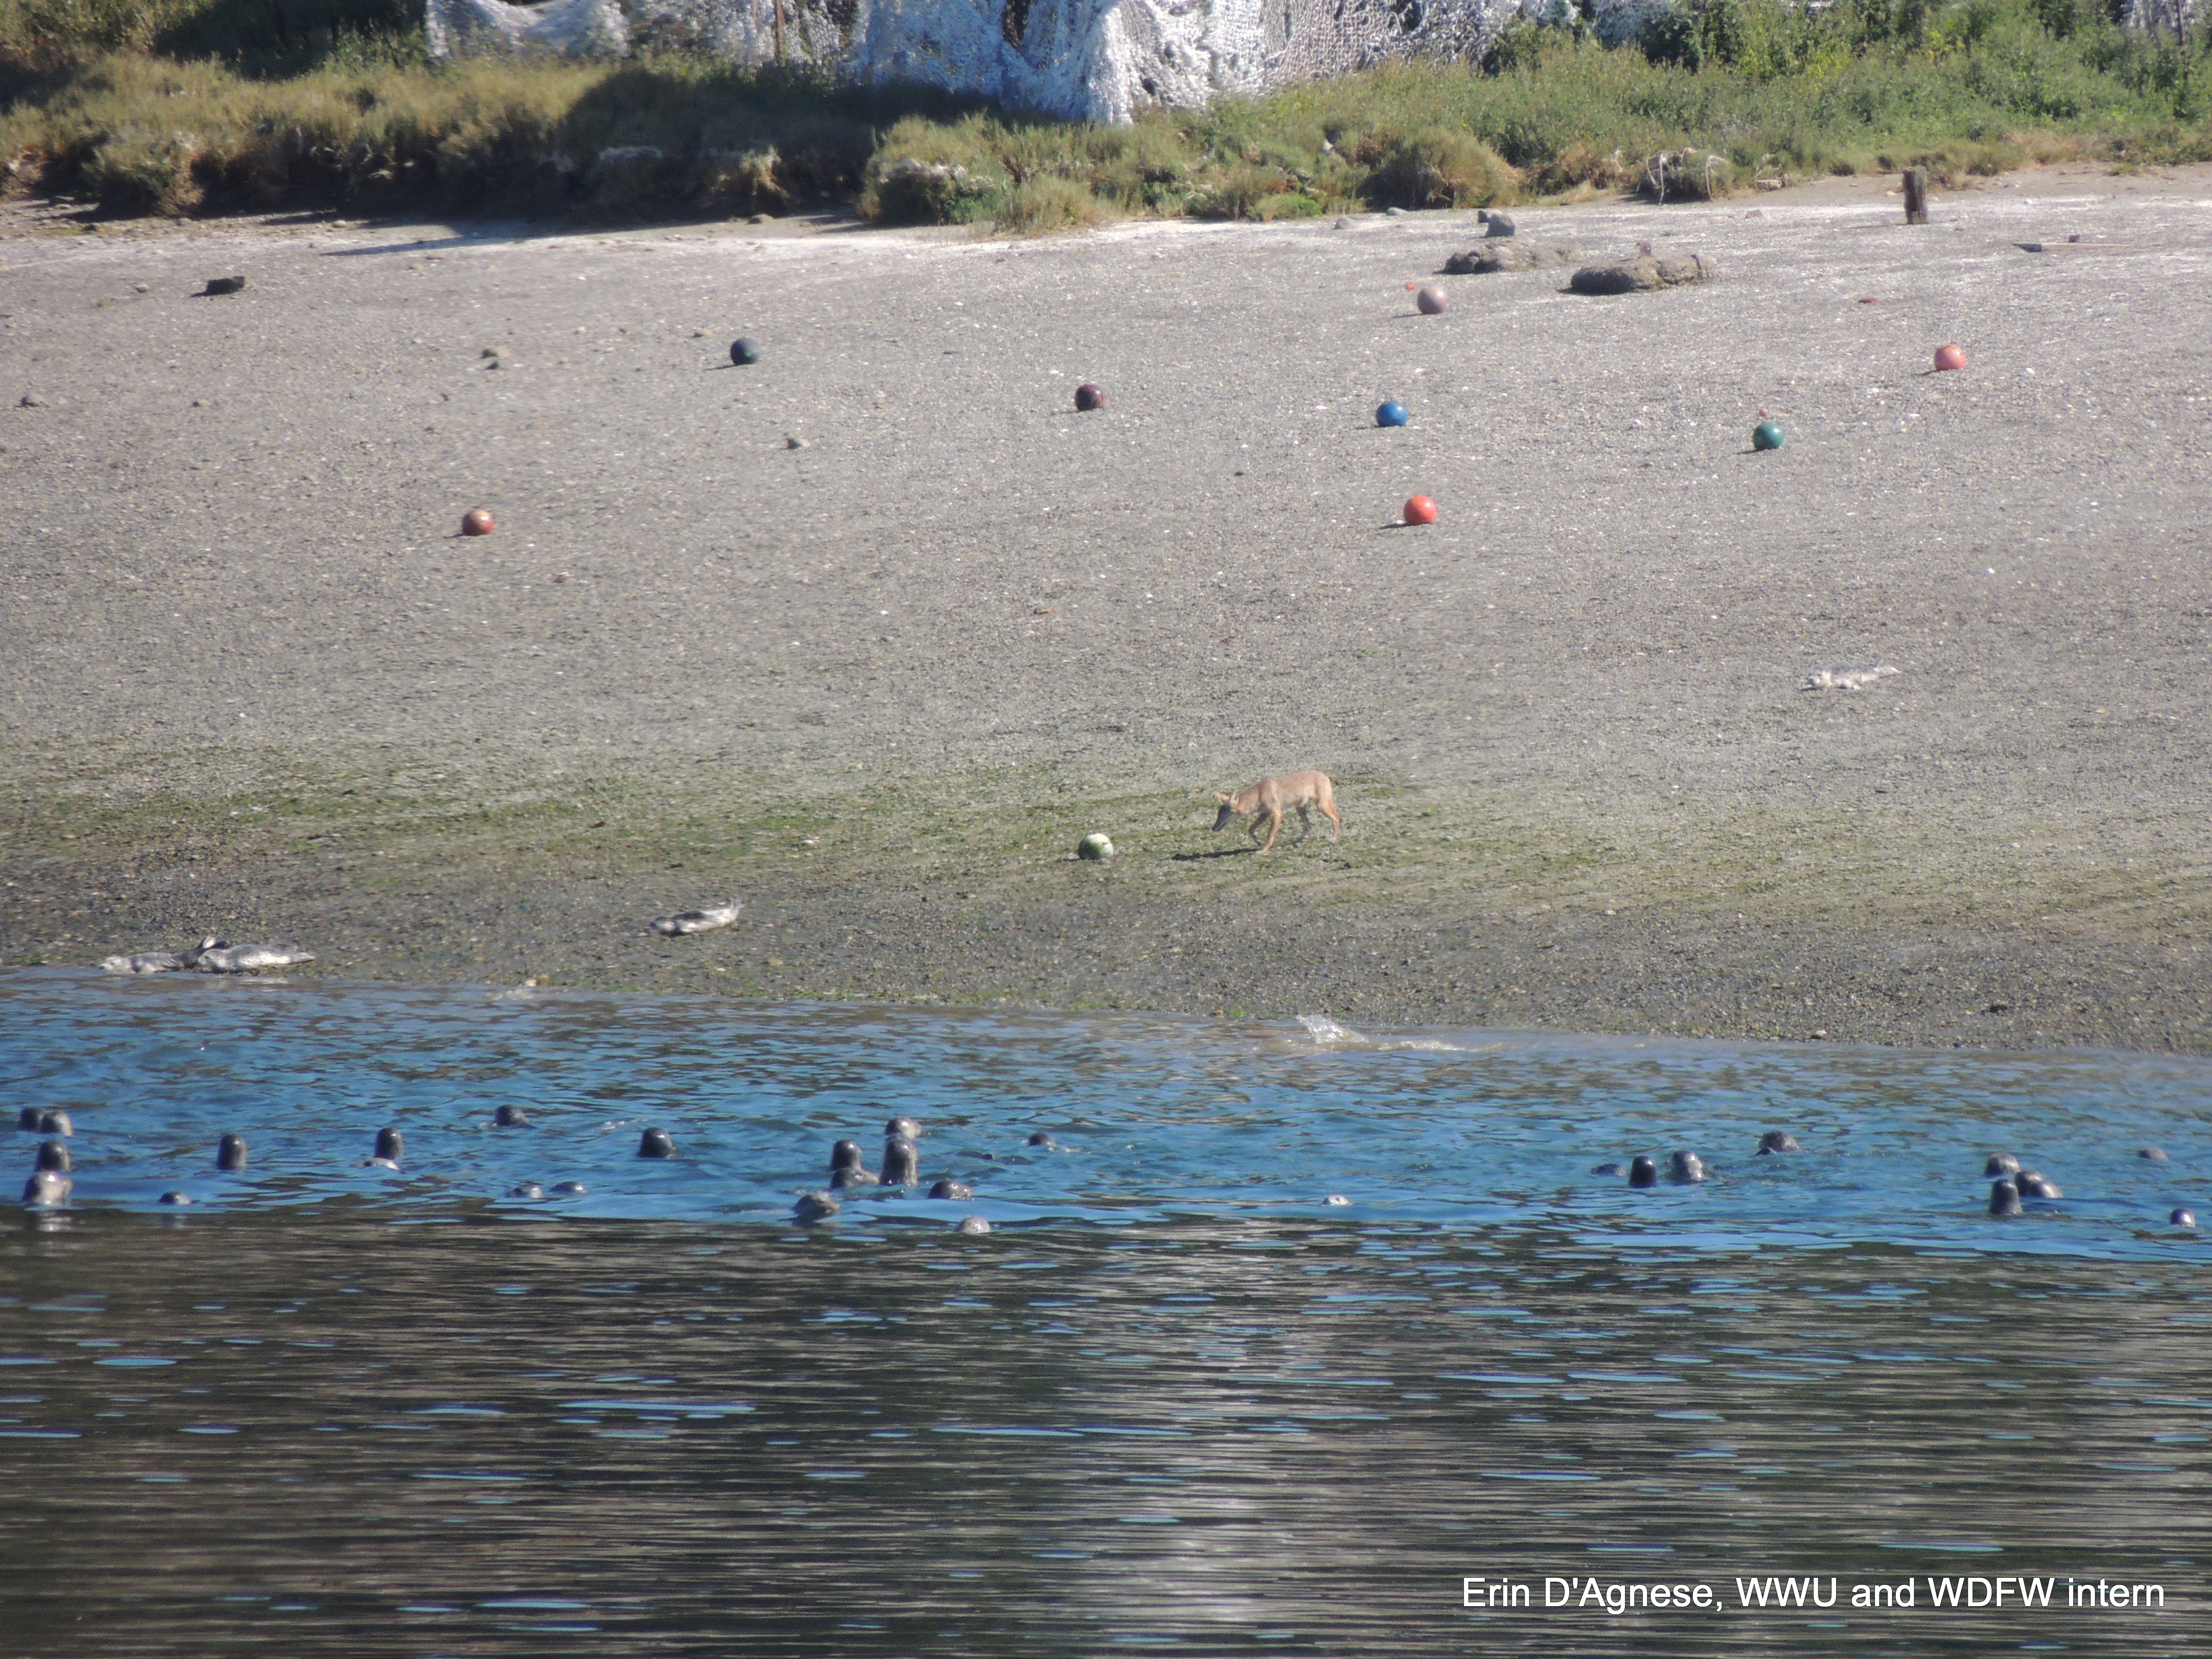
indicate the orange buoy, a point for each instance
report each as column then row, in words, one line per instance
column 1950, row 356
column 476, row 522
column 1420, row 510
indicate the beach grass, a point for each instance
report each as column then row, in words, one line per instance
column 193, row 107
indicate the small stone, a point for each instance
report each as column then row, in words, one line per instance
column 1094, row 848
column 1431, row 301
column 791, row 441
column 1499, row 224
column 476, row 522
column 30, row 400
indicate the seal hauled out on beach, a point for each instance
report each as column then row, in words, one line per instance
column 164, row 962
column 214, row 957
column 699, row 921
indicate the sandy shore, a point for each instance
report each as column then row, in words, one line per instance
column 871, row 633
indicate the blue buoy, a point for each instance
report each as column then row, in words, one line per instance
column 1392, row 413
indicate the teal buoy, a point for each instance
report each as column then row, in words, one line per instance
column 1767, row 435
column 1392, row 413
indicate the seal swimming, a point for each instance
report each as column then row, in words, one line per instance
column 815, row 1207
column 902, row 1162
column 55, row 1123
column 655, row 1143
column 1643, row 1172
column 2000, row 1164
column 903, row 1125
column 46, row 1188
column 2030, row 1184
column 53, row 1155
column 388, row 1148
column 510, row 1117
column 1777, row 1140
column 1685, row 1169
column 949, row 1187
column 972, row 1223
column 230, row 1152
column 705, row 921
column 2004, row 1199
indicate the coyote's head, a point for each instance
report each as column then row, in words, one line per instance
column 1228, row 811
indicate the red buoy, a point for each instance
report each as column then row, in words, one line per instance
column 1420, row 510
column 476, row 522
column 1950, row 356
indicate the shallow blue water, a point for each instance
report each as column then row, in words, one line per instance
column 1176, row 1400
column 1151, row 1116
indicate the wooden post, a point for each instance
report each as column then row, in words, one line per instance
column 778, row 4
column 1915, row 196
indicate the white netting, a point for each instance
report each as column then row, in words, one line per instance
column 1089, row 59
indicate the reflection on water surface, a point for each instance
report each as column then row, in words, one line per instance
column 1174, row 1401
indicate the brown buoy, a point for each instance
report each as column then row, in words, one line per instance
column 1089, row 397
column 1431, row 301
column 476, row 522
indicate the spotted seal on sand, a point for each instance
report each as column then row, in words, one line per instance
column 1685, row 1169
column 46, row 1188
column 704, row 920
column 1643, row 1172
column 230, row 1152
column 144, row 961
column 902, row 1162
column 1777, row 1140
column 953, row 1190
column 815, row 1207
column 250, row 958
column 2004, row 1199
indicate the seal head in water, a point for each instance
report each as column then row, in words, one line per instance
column 902, row 1162
column 2004, row 1198
column 852, row 1175
column 389, row 1146
column 655, row 1143
column 2183, row 1219
column 1643, row 1172
column 903, row 1125
column 2000, row 1164
column 815, row 1207
column 55, row 1123
column 972, row 1223
column 1777, row 1140
column 845, row 1155
column 1043, row 1142
column 951, row 1189
column 510, row 1117
column 29, row 1118
column 46, row 1188
column 2032, row 1185
column 1685, row 1169
column 53, row 1155
column 230, row 1152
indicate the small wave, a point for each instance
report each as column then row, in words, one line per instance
column 1327, row 1031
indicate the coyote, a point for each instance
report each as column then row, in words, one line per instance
column 1272, row 797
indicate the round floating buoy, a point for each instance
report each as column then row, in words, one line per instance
column 1431, row 301
column 476, row 522
column 1392, row 413
column 1420, row 510
column 1767, row 435
column 1950, row 356
column 743, row 351
column 1089, row 397
column 1094, row 848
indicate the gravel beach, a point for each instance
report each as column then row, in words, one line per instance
column 871, row 633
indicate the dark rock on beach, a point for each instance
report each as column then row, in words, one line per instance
column 1645, row 273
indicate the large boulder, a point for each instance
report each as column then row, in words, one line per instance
column 1644, row 272
column 1510, row 256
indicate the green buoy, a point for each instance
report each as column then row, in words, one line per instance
column 1767, row 435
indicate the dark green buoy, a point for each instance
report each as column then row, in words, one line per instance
column 743, row 352
column 1767, row 435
